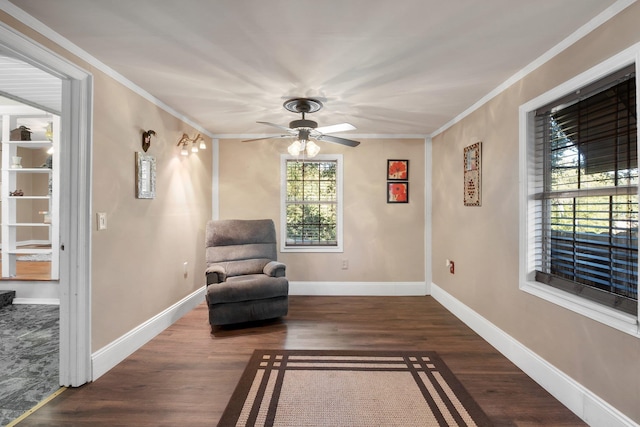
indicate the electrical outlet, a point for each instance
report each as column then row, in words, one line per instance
column 185, row 269
column 345, row 264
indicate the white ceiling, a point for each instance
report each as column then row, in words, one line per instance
column 24, row 82
column 388, row 67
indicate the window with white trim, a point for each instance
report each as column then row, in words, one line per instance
column 312, row 204
column 582, row 194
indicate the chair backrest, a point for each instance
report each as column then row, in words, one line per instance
column 248, row 244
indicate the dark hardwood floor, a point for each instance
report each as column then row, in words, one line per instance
column 186, row 375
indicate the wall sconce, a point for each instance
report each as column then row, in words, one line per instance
column 146, row 139
column 197, row 143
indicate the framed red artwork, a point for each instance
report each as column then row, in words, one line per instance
column 397, row 170
column 397, row 192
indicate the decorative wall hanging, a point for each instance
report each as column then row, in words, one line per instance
column 397, row 192
column 146, row 139
column 397, row 170
column 473, row 174
column 145, row 176
column 22, row 133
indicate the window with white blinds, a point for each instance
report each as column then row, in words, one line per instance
column 312, row 204
column 586, row 193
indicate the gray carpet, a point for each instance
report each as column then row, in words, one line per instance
column 29, row 345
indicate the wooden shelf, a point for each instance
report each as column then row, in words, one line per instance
column 29, row 197
column 29, row 251
column 29, row 224
column 29, row 170
column 30, row 144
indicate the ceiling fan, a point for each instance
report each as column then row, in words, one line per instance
column 305, row 131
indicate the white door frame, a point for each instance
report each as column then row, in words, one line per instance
column 75, row 202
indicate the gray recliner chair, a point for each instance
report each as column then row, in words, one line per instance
column 245, row 282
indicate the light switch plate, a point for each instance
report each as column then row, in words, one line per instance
column 102, row 220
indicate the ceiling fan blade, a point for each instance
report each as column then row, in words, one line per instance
column 284, row 128
column 343, row 141
column 342, row 127
column 267, row 137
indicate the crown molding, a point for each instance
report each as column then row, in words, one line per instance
column 350, row 135
column 581, row 32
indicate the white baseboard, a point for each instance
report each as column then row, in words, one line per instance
column 36, row 301
column 581, row 401
column 31, row 242
column 29, row 292
column 358, row 288
column 112, row 354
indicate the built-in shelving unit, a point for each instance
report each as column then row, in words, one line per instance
column 21, row 224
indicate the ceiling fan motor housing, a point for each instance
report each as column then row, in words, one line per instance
column 304, row 106
column 304, row 129
column 303, row 123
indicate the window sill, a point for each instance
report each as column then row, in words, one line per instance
column 621, row 321
column 311, row 249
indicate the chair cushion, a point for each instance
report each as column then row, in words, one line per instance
column 240, row 232
column 244, row 267
column 246, row 311
column 240, row 252
column 247, row 287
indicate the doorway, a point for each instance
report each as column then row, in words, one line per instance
column 74, row 245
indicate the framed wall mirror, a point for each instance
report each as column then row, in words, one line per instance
column 145, row 176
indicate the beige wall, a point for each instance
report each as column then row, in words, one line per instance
column 382, row 242
column 137, row 263
column 484, row 240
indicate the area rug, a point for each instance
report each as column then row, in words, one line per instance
column 350, row 388
column 35, row 257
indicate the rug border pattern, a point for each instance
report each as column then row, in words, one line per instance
column 255, row 399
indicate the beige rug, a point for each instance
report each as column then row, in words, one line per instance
column 346, row 388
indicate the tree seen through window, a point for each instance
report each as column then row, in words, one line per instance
column 311, row 203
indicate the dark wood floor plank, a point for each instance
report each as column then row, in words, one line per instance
column 186, row 375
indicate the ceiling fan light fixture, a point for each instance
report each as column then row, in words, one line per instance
column 302, row 146
column 295, row 148
column 312, row 149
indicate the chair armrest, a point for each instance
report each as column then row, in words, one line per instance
column 275, row 269
column 215, row 274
